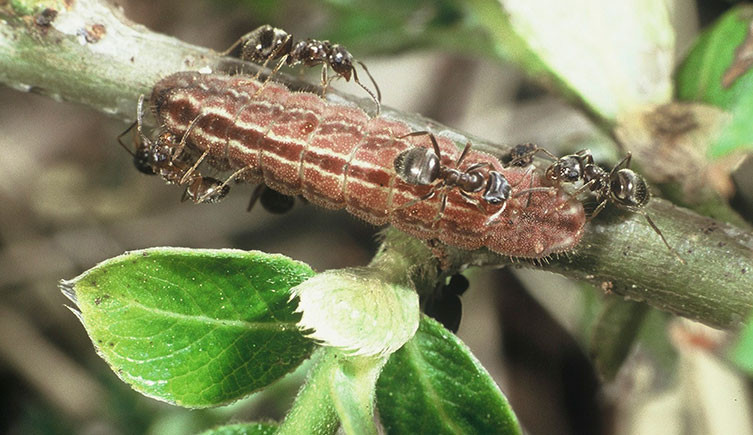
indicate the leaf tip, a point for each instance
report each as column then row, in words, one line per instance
column 67, row 288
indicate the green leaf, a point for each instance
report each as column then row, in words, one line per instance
column 435, row 385
column 742, row 353
column 713, row 73
column 353, row 386
column 615, row 333
column 614, row 56
column 196, row 328
column 243, row 429
column 313, row 411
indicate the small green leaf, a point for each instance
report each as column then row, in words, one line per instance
column 614, row 334
column 195, row 328
column 243, row 429
column 365, row 311
column 353, row 386
column 742, row 352
column 718, row 71
column 435, row 385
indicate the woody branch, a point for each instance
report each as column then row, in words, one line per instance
column 92, row 55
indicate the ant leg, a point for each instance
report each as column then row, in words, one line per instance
column 530, row 190
column 325, row 81
column 477, row 166
column 429, row 195
column 625, row 161
column 598, row 210
column 255, row 196
column 583, row 188
column 496, row 214
column 530, row 154
column 120, row 136
column 378, row 97
column 657, row 231
column 271, row 74
column 474, row 201
column 442, row 206
column 182, row 144
column 188, row 175
column 235, row 44
column 376, row 87
column 463, row 154
column 224, row 183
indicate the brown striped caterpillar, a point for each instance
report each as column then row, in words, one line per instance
column 337, row 157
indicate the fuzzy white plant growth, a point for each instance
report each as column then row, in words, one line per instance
column 357, row 312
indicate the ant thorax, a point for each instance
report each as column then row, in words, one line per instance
column 568, row 169
column 310, row 52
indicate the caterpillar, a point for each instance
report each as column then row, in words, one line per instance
column 337, row 157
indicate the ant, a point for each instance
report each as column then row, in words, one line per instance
column 267, row 43
column 423, row 167
column 444, row 304
column 621, row 186
column 271, row 200
column 154, row 157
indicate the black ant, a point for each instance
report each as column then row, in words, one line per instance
column 154, row 157
column 621, row 186
column 423, row 167
column 444, row 304
column 269, row 43
column 271, row 200
column 520, row 155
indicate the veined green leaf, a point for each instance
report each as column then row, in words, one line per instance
column 718, row 71
column 435, row 385
column 195, row 328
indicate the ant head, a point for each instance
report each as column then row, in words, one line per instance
column 497, row 189
column 142, row 160
column 265, row 43
column 629, row 189
column 417, row 166
column 522, row 154
column 568, row 169
column 341, row 61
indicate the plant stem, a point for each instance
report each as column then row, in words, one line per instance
column 313, row 411
column 619, row 251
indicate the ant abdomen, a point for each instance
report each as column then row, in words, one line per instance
column 265, row 43
column 629, row 189
column 417, row 166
